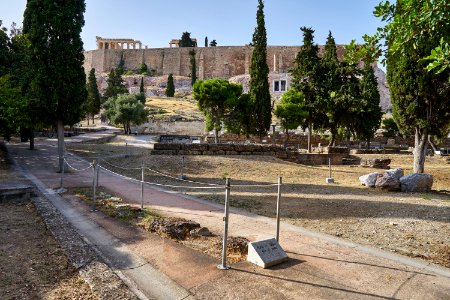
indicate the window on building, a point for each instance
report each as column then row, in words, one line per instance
column 279, row 85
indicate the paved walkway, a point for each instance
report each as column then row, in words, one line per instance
column 320, row 266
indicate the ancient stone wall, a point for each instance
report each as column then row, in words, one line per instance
column 212, row 62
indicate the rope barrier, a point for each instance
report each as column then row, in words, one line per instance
column 75, row 169
column 254, row 185
column 160, row 185
column 118, row 167
column 180, row 179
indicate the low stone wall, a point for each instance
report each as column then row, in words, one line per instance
column 251, row 149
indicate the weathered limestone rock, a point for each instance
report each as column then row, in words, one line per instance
column 416, row 182
column 379, row 163
column 397, row 173
column 369, row 179
column 202, row 231
column 176, row 229
column 387, row 182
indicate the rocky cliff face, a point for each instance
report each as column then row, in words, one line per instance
column 383, row 88
column 154, row 86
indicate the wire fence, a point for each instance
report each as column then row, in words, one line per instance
column 101, row 164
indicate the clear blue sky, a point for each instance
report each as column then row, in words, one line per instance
column 231, row 23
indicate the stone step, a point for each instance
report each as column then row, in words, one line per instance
column 15, row 192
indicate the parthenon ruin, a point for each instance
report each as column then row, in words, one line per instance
column 103, row 43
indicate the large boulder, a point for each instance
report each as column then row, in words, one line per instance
column 387, row 182
column 369, row 179
column 416, row 182
column 397, row 173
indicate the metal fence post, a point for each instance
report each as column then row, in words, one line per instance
column 62, row 174
column 142, row 186
column 224, row 266
column 278, row 208
column 94, row 183
column 97, row 174
column 329, row 165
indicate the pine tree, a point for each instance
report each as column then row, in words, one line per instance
column 121, row 65
column 206, row 41
column 141, row 96
column 170, row 89
column 306, row 79
column 4, row 51
column 58, row 84
column 186, row 40
column 93, row 96
column 329, row 86
column 116, row 86
column 368, row 118
column 259, row 83
column 213, row 43
column 193, row 67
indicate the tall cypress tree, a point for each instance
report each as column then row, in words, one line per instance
column 116, row 86
column 193, row 67
column 330, row 85
column 368, row 118
column 259, row 73
column 306, row 78
column 93, row 97
column 170, row 89
column 58, row 85
column 206, row 41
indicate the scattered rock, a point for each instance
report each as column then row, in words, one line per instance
column 202, row 231
column 387, row 182
column 378, row 163
column 416, row 182
column 174, row 228
column 369, row 179
column 397, row 173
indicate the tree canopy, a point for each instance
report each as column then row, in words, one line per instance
column 170, row 89
column 306, row 78
column 291, row 110
column 58, row 84
column 93, row 98
column 125, row 109
column 186, row 40
column 420, row 92
column 116, row 86
column 216, row 98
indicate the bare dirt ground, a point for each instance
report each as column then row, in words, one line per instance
column 32, row 265
column 412, row 224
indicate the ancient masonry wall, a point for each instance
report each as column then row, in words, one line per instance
column 212, row 62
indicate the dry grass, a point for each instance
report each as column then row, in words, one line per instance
column 163, row 107
column 414, row 224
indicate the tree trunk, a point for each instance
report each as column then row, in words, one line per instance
column 333, row 137
column 93, row 119
column 87, row 117
column 420, row 149
column 60, row 128
column 309, row 134
column 286, row 140
column 368, row 144
column 432, row 143
column 216, row 136
column 31, row 138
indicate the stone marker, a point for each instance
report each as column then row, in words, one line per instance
column 266, row 253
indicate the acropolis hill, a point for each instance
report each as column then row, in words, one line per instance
column 212, row 62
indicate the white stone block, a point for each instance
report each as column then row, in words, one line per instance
column 266, row 253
